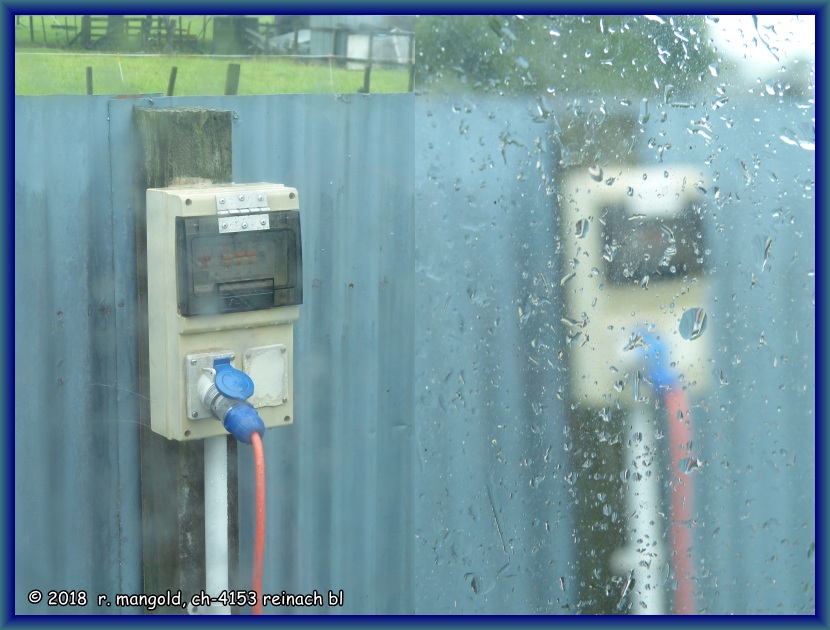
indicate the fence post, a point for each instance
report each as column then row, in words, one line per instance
column 367, row 74
column 171, row 84
column 232, row 79
column 89, row 80
column 86, row 31
column 176, row 145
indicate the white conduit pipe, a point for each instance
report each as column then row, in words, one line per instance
column 216, row 522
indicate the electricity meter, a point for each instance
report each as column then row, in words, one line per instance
column 224, row 284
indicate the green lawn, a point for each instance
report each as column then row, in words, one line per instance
column 40, row 72
column 44, row 65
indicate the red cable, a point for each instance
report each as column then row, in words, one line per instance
column 259, row 536
column 680, row 435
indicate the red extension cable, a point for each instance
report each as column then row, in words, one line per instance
column 259, row 536
column 680, row 434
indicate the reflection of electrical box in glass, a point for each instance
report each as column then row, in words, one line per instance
column 634, row 263
column 224, row 280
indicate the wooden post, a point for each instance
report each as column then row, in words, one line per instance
column 232, row 79
column 86, row 31
column 171, row 84
column 89, row 80
column 179, row 145
column 367, row 74
column 411, row 63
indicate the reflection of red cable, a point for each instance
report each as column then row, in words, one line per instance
column 680, row 435
column 259, row 536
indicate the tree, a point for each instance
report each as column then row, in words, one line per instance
column 582, row 54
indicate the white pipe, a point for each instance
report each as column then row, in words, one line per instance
column 216, row 521
column 644, row 557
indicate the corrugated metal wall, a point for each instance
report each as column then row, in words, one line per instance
column 426, row 470
column 755, row 426
column 340, row 480
column 493, row 526
column 77, row 518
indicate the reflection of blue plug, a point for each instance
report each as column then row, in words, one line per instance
column 656, row 367
column 227, row 395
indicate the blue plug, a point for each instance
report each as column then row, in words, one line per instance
column 656, row 367
column 228, row 401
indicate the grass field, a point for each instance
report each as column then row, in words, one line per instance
column 41, row 73
column 41, row 67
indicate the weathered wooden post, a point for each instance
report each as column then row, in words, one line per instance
column 177, row 146
column 232, row 79
column 171, row 83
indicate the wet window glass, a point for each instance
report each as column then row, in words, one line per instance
column 618, row 376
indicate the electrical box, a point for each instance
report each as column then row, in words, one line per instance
column 635, row 271
column 224, row 281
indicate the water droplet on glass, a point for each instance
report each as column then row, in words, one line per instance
column 692, row 324
column 767, row 246
column 793, row 138
column 722, row 378
column 567, row 278
column 610, row 181
column 713, row 69
column 688, row 465
column 595, row 172
column 635, row 341
column 582, row 228
column 629, row 191
column 644, row 115
column 644, row 282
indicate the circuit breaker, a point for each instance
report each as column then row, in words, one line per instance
column 224, row 288
column 635, row 257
